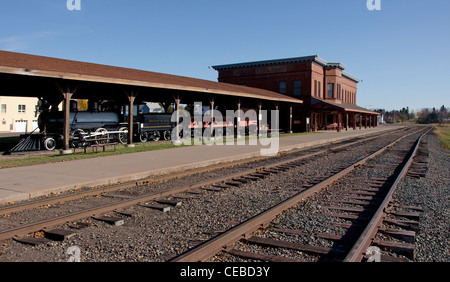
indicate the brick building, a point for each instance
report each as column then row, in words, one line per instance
column 329, row 93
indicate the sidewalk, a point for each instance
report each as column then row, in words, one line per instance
column 23, row 183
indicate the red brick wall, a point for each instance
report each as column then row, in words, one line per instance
column 311, row 75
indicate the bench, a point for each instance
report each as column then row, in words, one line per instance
column 98, row 142
column 272, row 131
column 332, row 126
column 96, row 146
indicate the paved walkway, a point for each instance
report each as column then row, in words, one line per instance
column 23, row 183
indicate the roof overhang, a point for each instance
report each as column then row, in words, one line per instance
column 46, row 67
column 351, row 77
column 323, row 104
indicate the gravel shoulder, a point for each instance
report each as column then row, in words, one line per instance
column 432, row 193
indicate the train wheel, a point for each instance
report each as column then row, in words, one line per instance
column 49, row 144
column 167, row 135
column 156, row 136
column 123, row 136
column 75, row 136
column 103, row 132
column 143, row 136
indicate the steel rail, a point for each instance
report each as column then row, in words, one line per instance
column 7, row 209
column 125, row 203
column 356, row 254
column 246, row 228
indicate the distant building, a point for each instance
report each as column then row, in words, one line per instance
column 18, row 114
column 329, row 93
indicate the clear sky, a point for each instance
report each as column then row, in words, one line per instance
column 400, row 52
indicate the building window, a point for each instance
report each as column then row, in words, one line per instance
column 3, row 108
column 315, row 88
column 282, row 87
column 330, row 90
column 22, row 108
column 297, row 88
column 318, row 88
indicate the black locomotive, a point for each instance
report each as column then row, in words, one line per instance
column 101, row 125
column 109, row 123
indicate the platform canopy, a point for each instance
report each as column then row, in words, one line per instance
column 320, row 104
column 37, row 76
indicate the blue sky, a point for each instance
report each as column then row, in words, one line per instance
column 400, row 53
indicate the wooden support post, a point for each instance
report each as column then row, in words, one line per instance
column 211, row 112
column 259, row 118
column 354, row 121
column 177, row 107
column 131, row 98
column 290, row 118
column 346, row 121
column 277, row 122
column 338, row 122
column 238, row 133
column 66, row 148
column 360, row 121
column 365, row 121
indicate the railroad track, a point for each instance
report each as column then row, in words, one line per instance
column 92, row 191
column 120, row 204
column 366, row 207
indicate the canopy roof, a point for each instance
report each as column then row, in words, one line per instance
column 14, row 65
column 321, row 104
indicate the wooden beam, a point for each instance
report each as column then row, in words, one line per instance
column 258, row 256
column 299, row 247
column 177, row 107
column 66, row 147
column 131, row 98
column 290, row 118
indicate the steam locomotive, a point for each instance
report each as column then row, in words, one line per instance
column 111, row 125
column 98, row 126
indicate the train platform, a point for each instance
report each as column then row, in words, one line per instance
column 23, row 183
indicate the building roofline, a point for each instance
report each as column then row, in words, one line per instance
column 305, row 59
column 336, row 65
column 351, row 77
column 313, row 58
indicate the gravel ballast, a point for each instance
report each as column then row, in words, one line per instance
column 432, row 193
column 154, row 236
